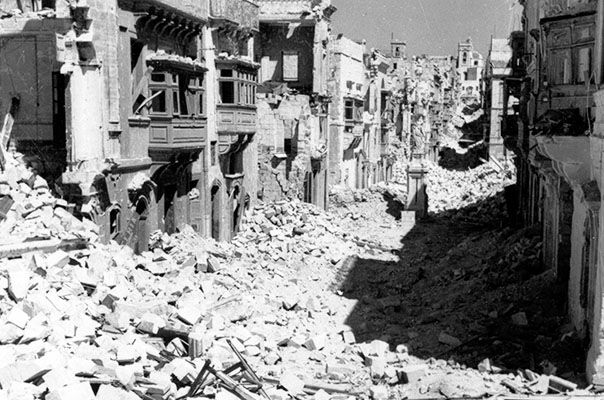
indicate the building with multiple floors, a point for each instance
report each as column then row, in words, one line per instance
column 294, row 100
column 557, row 135
column 140, row 113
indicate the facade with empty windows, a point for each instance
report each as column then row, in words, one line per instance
column 293, row 99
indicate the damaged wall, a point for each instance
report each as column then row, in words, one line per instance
column 285, row 126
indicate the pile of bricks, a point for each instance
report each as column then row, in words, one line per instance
column 31, row 218
column 475, row 194
column 184, row 319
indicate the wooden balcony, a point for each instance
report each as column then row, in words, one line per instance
column 243, row 13
column 236, row 119
column 168, row 136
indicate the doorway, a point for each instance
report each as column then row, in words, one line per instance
column 215, row 214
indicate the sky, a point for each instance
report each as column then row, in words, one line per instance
column 431, row 27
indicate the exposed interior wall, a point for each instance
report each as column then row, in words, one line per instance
column 276, row 41
column 283, row 175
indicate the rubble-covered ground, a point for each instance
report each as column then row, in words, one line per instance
column 361, row 301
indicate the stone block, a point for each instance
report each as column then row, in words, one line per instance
column 411, row 373
column 290, row 382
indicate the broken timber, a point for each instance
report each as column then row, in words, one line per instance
column 45, row 246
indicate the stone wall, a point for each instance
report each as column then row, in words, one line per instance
column 286, row 133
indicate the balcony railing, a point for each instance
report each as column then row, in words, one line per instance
column 177, row 135
column 236, row 119
column 241, row 12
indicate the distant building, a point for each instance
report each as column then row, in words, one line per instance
column 470, row 65
column 398, row 54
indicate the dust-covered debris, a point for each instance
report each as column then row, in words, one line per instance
column 474, row 195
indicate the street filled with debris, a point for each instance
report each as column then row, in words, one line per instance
column 236, row 200
column 361, row 301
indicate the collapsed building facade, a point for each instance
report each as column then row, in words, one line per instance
column 293, row 102
column 117, row 108
column 557, row 136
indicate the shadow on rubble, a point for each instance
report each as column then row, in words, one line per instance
column 394, row 206
column 465, row 290
column 471, row 158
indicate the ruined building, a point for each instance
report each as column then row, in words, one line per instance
column 558, row 138
column 293, row 100
column 115, row 103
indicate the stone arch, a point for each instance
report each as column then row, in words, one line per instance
column 216, row 202
column 142, row 228
column 236, row 208
column 143, row 217
column 115, row 221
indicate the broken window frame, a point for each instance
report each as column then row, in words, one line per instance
column 357, row 108
column 244, row 83
column 566, row 42
column 182, row 91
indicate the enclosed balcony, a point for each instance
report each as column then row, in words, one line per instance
column 177, row 135
column 236, row 108
column 177, row 120
column 243, row 13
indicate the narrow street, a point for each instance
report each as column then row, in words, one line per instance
column 466, row 281
column 301, row 200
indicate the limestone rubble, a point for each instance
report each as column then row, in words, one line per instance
column 100, row 319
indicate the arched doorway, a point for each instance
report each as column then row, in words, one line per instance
column 236, row 209
column 307, row 187
column 215, row 211
column 142, row 225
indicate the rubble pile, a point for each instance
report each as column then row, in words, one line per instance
column 31, row 216
column 193, row 318
column 474, row 195
column 340, row 195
